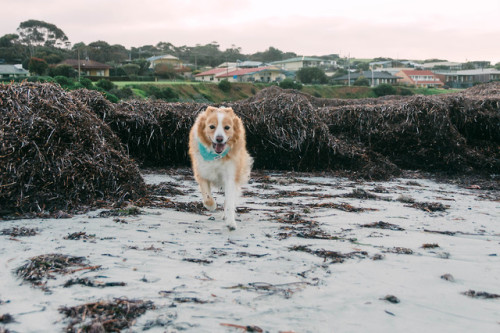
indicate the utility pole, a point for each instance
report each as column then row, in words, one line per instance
column 79, row 65
column 371, row 67
column 349, row 70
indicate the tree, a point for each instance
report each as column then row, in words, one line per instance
column 384, row 89
column 105, row 84
column 309, row 75
column 103, row 52
column 8, row 40
column 271, row 54
column 362, row 66
column 165, row 71
column 34, row 33
column 38, row 66
column 11, row 50
column 289, row 84
column 131, row 69
column 340, row 72
column 224, row 85
column 362, row 81
column 63, row 70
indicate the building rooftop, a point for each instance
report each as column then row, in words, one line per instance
column 296, row 60
column 417, row 72
column 245, row 71
column 84, row 63
column 474, row 71
column 13, row 69
column 165, row 56
column 368, row 75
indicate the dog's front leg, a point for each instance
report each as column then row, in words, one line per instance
column 230, row 192
column 208, row 200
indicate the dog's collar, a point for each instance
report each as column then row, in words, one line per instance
column 209, row 155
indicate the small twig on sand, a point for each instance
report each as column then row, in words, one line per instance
column 246, row 328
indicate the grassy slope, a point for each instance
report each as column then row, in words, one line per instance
column 210, row 92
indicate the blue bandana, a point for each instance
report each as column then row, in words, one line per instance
column 209, row 155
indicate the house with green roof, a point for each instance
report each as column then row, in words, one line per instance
column 294, row 64
column 12, row 72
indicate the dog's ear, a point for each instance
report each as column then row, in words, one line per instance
column 202, row 119
column 238, row 129
column 210, row 109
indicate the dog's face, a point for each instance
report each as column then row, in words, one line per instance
column 218, row 127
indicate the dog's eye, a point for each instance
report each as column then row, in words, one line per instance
column 227, row 128
column 212, row 127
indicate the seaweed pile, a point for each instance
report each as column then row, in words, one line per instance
column 59, row 150
column 375, row 138
column 288, row 130
column 56, row 154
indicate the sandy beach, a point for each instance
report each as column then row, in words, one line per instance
column 311, row 253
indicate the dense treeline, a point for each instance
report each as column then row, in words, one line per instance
column 45, row 41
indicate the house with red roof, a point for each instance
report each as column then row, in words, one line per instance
column 419, row 78
column 88, row 67
column 209, row 76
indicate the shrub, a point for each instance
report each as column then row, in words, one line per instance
column 112, row 98
column 63, row 70
column 384, row 89
column 165, row 93
column 87, row 83
column 38, row 66
column 64, row 81
column 309, row 75
column 224, row 85
column 122, row 93
column 405, row 92
column 105, row 84
column 362, row 81
column 290, row 84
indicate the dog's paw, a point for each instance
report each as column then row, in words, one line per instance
column 210, row 204
column 231, row 225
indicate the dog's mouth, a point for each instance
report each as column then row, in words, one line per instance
column 219, row 147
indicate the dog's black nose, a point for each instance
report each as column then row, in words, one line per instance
column 219, row 138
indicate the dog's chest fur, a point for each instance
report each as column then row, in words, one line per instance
column 214, row 171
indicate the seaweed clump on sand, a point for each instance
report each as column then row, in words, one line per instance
column 43, row 267
column 56, row 154
column 105, row 316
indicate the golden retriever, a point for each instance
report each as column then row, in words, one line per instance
column 217, row 147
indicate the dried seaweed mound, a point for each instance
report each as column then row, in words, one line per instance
column 156, row 133
column 487, row 89
column 56, row 154
column 451, row 133
column 285, row 131
column 290, row 130
column 454, row 133
column 95, row 101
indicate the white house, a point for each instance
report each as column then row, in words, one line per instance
column 12, row 71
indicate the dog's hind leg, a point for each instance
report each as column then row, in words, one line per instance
column 208, row 200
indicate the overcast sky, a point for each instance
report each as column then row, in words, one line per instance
column 455, row 30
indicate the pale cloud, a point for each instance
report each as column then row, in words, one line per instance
column 398, row 29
